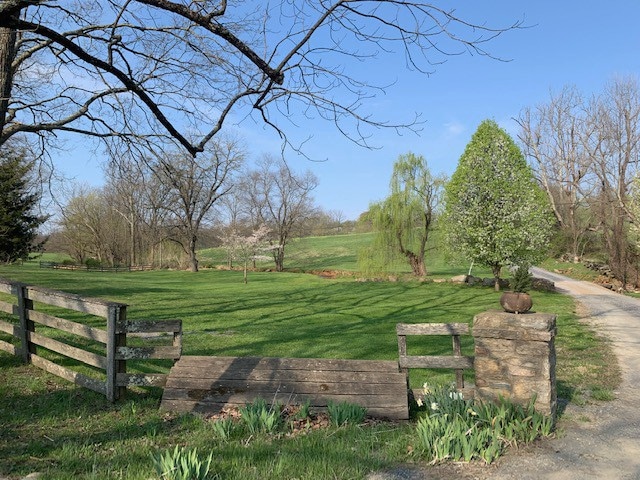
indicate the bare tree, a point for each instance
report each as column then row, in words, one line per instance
column 195, row 186
column 553, row 136
column 126, row 190
column 92, row 229
column 614, row 143
column 152, row 71
column 280, row 199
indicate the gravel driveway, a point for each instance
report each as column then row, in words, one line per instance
column 595, row 441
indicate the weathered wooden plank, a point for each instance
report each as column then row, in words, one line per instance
column 146, row 353
column 328, row 364
column 141, row 379
column 89, row 358
column 283, row 385
column 26, row 326
column 117, row 337
column 68, row 326
column 9, row 308
column 153, row 326
column 69, row 375
column 265, row 374
column 70, row 301
column 316, row 400
column 436, row 361
column 457, row 351
column 432, row 329
column 8, row 347
column 10, row 328
column 209, row 383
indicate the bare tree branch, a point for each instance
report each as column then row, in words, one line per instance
column 163, row 71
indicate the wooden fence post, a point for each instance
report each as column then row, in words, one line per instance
column 26, row 326
column 116, row 337
column 457, row 351
column 402, row 351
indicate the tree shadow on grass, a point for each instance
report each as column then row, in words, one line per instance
column 40, row 415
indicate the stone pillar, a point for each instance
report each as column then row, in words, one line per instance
column 515, row 358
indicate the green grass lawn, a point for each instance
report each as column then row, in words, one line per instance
column 51, row 426
column 340, row 253
column 285, row 314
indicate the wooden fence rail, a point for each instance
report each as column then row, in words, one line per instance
column 112, row 340
column 457, row 361
column 122, row 268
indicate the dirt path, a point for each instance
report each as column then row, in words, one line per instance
column 594, row 441
column 600, row 441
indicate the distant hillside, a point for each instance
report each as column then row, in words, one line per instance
column 340, row 252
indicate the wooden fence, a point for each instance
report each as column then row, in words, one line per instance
column 121, row 268
column 112, row 340
column 456, row 362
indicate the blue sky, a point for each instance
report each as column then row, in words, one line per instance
column 569, row 42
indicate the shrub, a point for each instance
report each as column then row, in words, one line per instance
column 92, row 263
column 521, row 281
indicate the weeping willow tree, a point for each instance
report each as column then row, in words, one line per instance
column 403, row 221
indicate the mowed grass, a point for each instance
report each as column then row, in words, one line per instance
column 51, row 426
column 340, row 253
column 275, row 314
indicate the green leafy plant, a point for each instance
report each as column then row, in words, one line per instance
column 223, row 428
column 343, row 413
column 304, row 411
column 521, row 281
column 457, row 429
column 181, row 464
column 258, row 417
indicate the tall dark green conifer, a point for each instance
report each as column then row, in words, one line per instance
column 18, row 220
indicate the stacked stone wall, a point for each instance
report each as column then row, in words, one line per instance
column 515, row 358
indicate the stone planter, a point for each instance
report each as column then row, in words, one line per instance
column 516, row 302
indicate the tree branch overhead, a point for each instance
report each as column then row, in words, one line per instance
column 158, row 71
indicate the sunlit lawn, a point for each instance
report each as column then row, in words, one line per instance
column 51, row 426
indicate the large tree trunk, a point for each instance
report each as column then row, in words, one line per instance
column 417, row 264
column 7, row 54
column 193, row 260
column 278, row 257
column 496, row 275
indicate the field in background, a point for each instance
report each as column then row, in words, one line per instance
column 340, row 253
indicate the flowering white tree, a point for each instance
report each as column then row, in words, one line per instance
column 246, row 248
column 496, row 214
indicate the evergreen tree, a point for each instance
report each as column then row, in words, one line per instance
column 18, row 221
column 495, row 212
